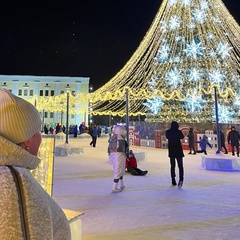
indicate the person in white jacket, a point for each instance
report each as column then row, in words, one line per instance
column 118, row 151
column 26, row 209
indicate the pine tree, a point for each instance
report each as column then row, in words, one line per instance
column 191, row 47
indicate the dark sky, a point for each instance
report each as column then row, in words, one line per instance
column 92, row 38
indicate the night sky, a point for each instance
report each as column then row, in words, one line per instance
column 92, row 38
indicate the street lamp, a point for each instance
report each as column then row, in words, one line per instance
column 90, row 106
column 67, row 114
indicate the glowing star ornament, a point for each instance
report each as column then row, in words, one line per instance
column 174, row 22
column 186, row 3
column 163, row 54
column 154, row 105
column 194, row 102
column 194, row 49
column 210, row 36
column 223, row 50
column 225, row 114
column 172, row 2
column 204, row 5
column 152, row 82
column 199, row 15
column 191, row 25
column 194, row 75
column 216, row 76
column 174, row 78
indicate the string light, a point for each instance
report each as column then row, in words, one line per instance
column 191, row 47
column 44, row 172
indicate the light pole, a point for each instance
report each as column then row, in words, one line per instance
column 217, row 121
column 127, row 117
column 90, row 107
column 67, row 117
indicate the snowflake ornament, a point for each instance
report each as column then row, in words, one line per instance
column 174, row 78
column 154, row 105
column 194, row 75
column 194, row 102
column 194, row 49
column 216, row 76
column 174, row 22
column 199, row 15
column 223, row 50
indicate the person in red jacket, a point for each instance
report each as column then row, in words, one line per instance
column 131, row 165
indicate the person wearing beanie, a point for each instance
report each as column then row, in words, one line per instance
column 175, row 152
column 118, row 151
column 26, row 209
column 233, row 138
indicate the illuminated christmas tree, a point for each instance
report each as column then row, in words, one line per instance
column 198, row 49
column 191, row 47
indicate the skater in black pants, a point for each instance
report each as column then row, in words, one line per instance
column 191, row 142
column 234, row 137
column 175, row 152
column 94, row 134
column 223, row 142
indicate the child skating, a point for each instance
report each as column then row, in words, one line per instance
column 203, row 145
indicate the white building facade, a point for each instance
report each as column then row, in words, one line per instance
column 44, row 86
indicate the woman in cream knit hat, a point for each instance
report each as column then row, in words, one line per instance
column 26, row 210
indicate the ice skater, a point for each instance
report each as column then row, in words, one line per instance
column 175, row 152
column 191, row 142
column 118, row 152
column 233, row 138
column 203, row 145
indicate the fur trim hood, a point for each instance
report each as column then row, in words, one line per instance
column 12, row 154
column 25, row 207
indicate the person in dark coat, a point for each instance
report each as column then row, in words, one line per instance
column 94, row 134
column 58, row 128
column 191, row 142
column 175, row 152
column 233, row 138
column 75, row 131
column 45, row 129
column 223, row 142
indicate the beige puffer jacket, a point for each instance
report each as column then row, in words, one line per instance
column 39, row 213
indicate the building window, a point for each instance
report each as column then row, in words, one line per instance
column 46, row 93
column 52, row 93
column 72, row 116
column 30, row 92
column 51, row 114
column 45, row 114
column 25, row 92
column 19, row 92
column 62, row 92
column 41, row 93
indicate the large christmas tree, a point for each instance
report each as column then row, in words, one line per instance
column 198, row 49
column 191, row 47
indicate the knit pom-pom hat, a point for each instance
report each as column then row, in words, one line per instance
column 19, row 119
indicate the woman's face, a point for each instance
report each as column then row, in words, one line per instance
column 34, row 143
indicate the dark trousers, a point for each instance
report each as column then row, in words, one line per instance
column 180, row 167
column 237, row 148
column 93, row 142
column 202, row 151
column 225, row 149
column 192, row 149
